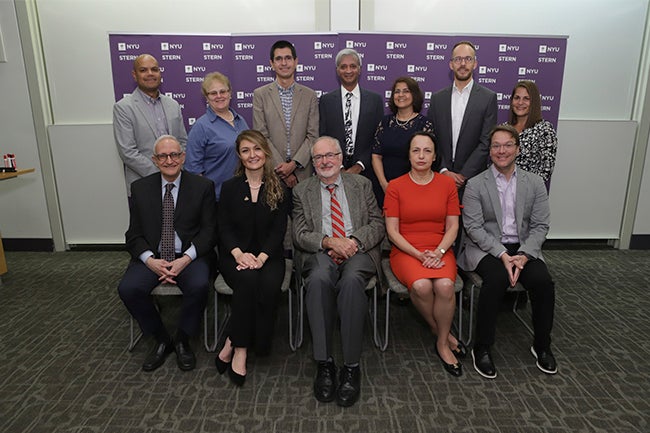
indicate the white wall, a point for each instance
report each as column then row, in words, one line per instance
column 23, row 212
column 605, row 38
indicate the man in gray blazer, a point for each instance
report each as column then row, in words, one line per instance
column 143, row 116
column 506, row 217
column 462, row 116
column 353, row 123
column 286, row 113
column 337, row 231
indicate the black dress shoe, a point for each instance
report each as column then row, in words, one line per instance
column 456, row 369
column 545, row 360
column 236, row 378
column 325, row 382
column 483, row 362
column 157, row 356
column 460, row 351
column 349, row 386
column 184, row 356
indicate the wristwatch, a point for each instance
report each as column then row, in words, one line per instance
column 442, row 250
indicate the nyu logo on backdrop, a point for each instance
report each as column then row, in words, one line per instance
column 123, row 46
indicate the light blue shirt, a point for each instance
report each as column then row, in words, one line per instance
column 211, row 147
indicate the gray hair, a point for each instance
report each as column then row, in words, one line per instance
column 348, row 52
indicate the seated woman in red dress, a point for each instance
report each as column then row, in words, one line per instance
column 422, row 209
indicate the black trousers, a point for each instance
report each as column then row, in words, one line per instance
column 138, row 282
column 541, row 290
column 254, row 301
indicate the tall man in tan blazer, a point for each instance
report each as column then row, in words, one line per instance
column 287, row 114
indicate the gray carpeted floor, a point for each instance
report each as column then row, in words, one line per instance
column 64, row 365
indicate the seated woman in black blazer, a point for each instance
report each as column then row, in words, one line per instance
column 252, row 219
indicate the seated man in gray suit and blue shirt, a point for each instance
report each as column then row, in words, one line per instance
column 506, row 217
column 143, row 116
column 337, row 231
column 351, row 114
column 172, row 231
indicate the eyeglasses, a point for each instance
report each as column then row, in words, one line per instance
column 328, row 155
column 215, row 93
column 458, row 59
column 162, row 157
column 279, row 59
column 402, row 91
column 507, row 146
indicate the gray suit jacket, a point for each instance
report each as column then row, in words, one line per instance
column 135, row 133
column 332, row 122
column 268, row 118
column 367, row 221
column 473, row 142
column 482, row 217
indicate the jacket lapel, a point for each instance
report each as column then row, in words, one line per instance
column 493, row 192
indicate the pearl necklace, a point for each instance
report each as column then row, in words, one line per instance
column 404, row 122
column 255, row 187
column 232, row 117
column 419, row 182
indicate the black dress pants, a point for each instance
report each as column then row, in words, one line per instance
column 541, row 290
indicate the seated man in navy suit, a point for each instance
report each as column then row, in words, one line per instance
column 506, row 217
column 172, row 232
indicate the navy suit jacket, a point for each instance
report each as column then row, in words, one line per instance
column 473, row 141
column 331, row 122
column 195, row 215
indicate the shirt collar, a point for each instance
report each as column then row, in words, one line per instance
column 496, row 173
column 148, row 99
column 337, row 182
column 288, row 89
column 467, row 88
column 356, row 92
column 176, row 182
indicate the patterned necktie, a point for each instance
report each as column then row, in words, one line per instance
column 167, row 251
column 338, row 229
column 349, row 144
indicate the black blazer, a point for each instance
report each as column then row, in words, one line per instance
column 473, row 142
column 331, row 122
column 239, row 220
column 195, row 214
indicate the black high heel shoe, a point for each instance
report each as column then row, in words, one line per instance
column 455, row 370
column 236, row 378
column 222, row 365
column 460, row 351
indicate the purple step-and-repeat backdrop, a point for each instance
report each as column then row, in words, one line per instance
column 186, row 59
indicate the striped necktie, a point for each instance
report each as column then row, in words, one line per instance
column 338, row 228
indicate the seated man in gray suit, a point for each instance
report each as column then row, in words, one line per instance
column 337, row 230
column 506, row 217
column 143, row 116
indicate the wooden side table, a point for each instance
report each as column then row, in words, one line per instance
column 5, row 176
